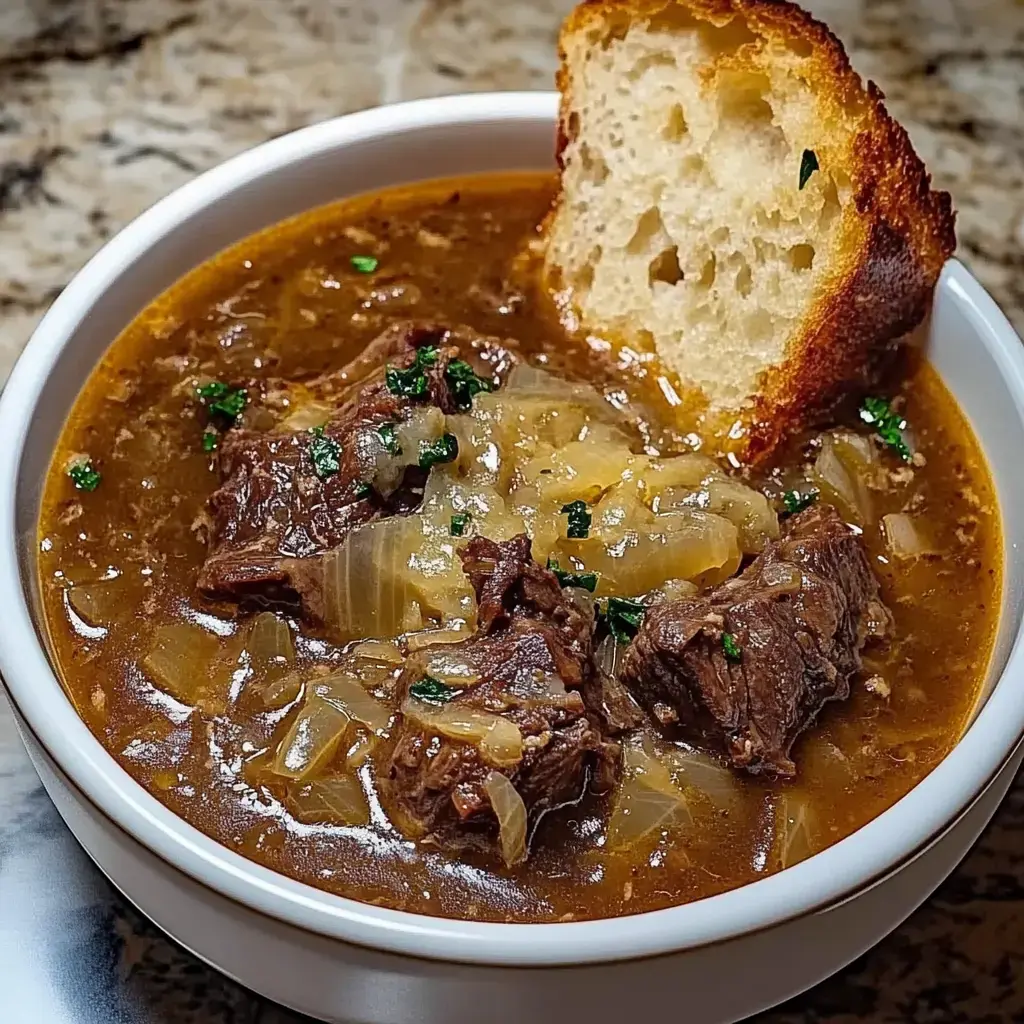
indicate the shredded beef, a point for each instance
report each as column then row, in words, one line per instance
column 272, row 515
column 799, row 617
column 532, row 652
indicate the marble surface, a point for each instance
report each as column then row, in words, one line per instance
column 105, row 105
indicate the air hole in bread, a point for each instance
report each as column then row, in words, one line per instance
column 801, row 257
column 743, row 108
column 708, row 273
column 676, row 127
column 665, row 268
column 650, row 235
column 744, row 280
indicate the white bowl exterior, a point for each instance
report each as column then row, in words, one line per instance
column 345, row 984
column 972, row 345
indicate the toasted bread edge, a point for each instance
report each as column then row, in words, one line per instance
column 883, row 289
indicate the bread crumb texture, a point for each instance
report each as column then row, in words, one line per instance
column 687, row 129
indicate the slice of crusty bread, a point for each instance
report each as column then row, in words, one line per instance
column 681, row 226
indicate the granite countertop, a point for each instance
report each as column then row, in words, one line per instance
column 105, row 105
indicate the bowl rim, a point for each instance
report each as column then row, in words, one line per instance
column 860, row 860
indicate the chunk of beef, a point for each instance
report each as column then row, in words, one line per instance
column 532, row 654
column 799, row 616
column 274, row 513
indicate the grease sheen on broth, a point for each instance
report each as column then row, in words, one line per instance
column 287, row 303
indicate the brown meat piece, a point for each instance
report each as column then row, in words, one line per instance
column 532, row 653
column 272, row 515
column 800, row 615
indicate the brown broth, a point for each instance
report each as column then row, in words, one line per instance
column 286, row 304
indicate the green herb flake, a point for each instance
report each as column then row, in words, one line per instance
column 579, row 519
column 795, row 501
column 808, row 165
column 889, row 425
column 464, row 384
column 389, row 438
column 444, row 449
column 731, row 646
column 412, row 382
column 623, row 618
column 457, row 527
column 432, row 691
column 222, row 400
column 84, row 476
column 363, row 490
column 364, row 264
column 324, row 453
column 210, row 440
column 584, row 580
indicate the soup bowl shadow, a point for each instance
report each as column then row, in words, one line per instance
column 730, row 955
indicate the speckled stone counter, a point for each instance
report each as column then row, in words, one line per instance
column 105, row 105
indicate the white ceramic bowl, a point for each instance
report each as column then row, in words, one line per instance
column 342, row 960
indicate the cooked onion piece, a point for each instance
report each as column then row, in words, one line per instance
column 511, row 814
column 793, row 830
column 312, row 739
column 376, row 650
column 332, row 800
column 346, row 693
column 846, row 470
column 498, row 739
column 648, row 799
column 270, row 646
column 186, row 661
column 905, row 537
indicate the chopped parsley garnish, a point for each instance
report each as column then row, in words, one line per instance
column 444, row 449
column 363, row 490
column 324, row 453
column 223, row 400
column 586, row 580
column 732, row 648
column 411, row 383
column 364, row 264
column 83, row 476
column 579, row 519
column 623, row 617
column 796, row 502
column 432, row 691
column 889, row 425
column 808, row 165
column 465, row 385
column 210, row 440
column 457, row 527
column 389, row 438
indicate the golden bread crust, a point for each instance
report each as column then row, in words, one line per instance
column 895, row 239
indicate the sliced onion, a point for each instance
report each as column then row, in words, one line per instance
column 346, row 693
column 100, row 604
column 184, row 660
column 498, row 739
column 282, row 690
column 333, row 800
column 270, row 646
column 748, row 509
column 843, row 477
column 362, row 747
column 366, row 579
column 312, row 739
column 511, row 814
column 450, row 665
column 376, row 650
column 903, row 536
column 608, row 656
column 648, row 800
column 691, row 769
column 793, row 832
column 432, row 637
